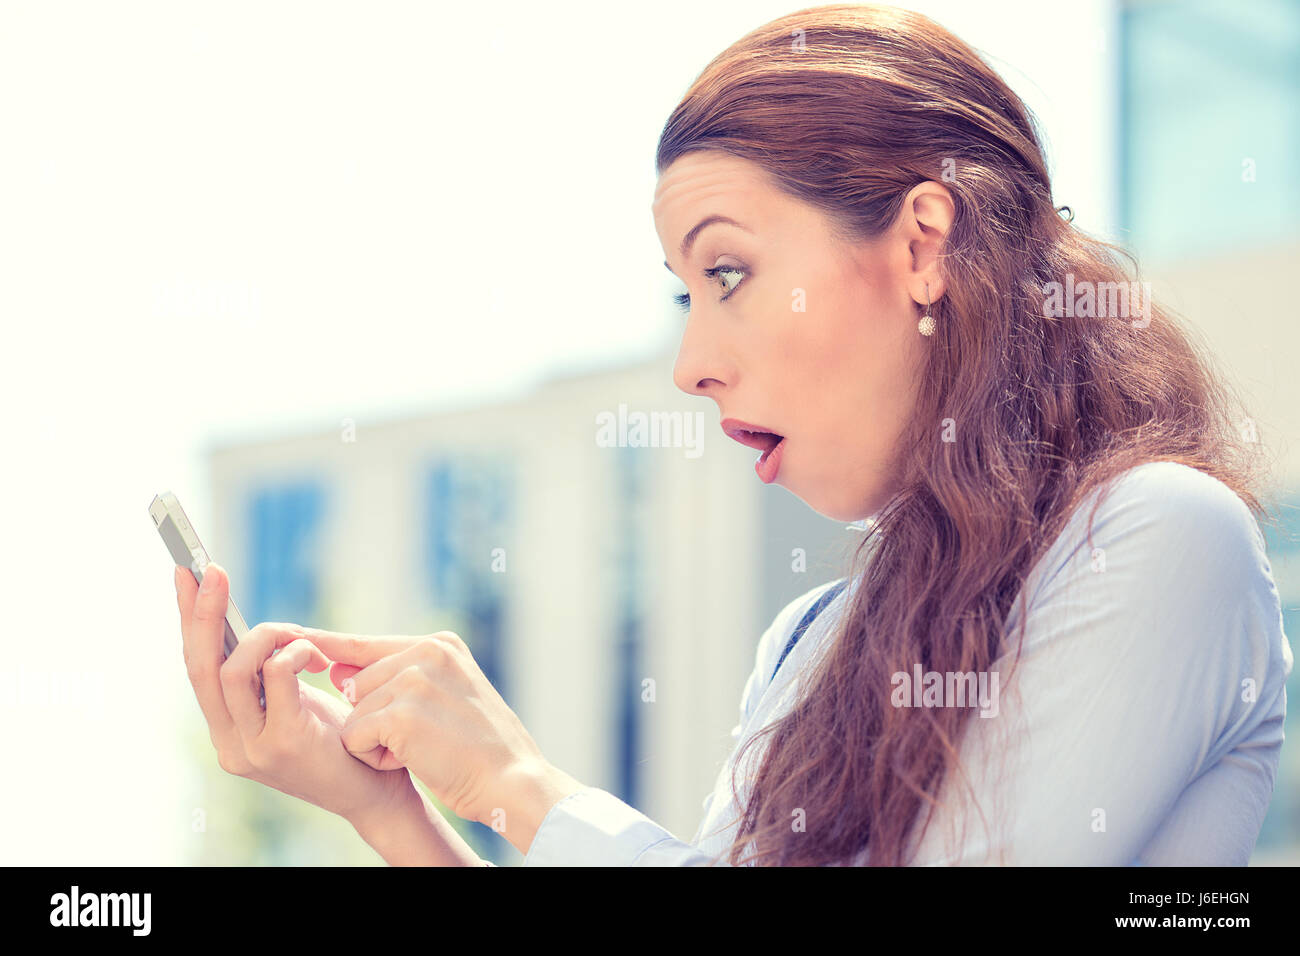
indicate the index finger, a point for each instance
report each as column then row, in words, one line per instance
column 357, row 649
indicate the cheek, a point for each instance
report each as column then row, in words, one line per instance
column 851, row 380
column 833, row 331
column 845, row 356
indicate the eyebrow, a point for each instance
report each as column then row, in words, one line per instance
column 690, row 237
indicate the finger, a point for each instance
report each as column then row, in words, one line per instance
column 341, row 676
column 364, row 739
column 371, row 678
column 422, row 651
column 356, row 649
column 240, row 674
column 286, row 633
column 184, row 595
column 203, row 625
column 372, row 716
column 280, row 676
column 389, row 760
column 381, row 758
column 316, row 659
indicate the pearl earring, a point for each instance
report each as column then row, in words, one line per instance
column 926, row 325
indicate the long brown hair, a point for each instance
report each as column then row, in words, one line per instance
column 848, row 107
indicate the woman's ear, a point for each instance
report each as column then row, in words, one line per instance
column 926, row 217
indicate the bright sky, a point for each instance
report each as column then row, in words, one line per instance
column 227, row 221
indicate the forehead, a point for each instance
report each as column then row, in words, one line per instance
column 709, row 182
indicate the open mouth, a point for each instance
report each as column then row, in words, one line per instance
column 770, row 443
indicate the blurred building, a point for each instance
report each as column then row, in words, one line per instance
column 1210, row 126
column 613, row 594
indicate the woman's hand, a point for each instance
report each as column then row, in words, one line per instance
column 424, row 703
column 294, row 745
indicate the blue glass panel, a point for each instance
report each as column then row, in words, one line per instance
column 284, row 523
column 468, row 515
column 630, row 580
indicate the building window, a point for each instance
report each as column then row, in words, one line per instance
column 630, row 577
column 284, row 523
column 467, row 534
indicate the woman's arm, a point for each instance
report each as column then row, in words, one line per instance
column 549, row 816
column 527, row 793
column 412, row 832
column 592, row 827
column 423, row 704
column 1144, row 721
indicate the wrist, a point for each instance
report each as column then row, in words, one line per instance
column 525, row 795
column 375, row 817
column 408, row 830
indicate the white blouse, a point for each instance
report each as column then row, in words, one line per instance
column 1142, row 725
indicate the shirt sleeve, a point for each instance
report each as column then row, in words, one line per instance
column 1144, row 722
column 592, row 827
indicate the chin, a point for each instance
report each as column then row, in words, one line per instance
column 831, row 495
column 833, row 508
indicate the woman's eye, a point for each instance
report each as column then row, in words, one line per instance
column 724, row 275
column 721, row 273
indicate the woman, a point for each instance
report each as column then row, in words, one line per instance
column 1060, row 641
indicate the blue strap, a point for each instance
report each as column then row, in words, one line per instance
column 829, row 595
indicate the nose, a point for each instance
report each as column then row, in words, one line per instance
column 700, row 368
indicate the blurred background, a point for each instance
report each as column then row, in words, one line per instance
column 357, row 281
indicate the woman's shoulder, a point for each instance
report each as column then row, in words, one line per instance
column 1154, row 515
column 1172, row 557
column 1170, row 493
column 1171, row 489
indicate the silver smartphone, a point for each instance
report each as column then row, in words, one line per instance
column 186, row 550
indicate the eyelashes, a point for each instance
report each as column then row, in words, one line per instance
column 684, row 299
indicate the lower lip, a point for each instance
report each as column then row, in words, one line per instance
column 769, row 463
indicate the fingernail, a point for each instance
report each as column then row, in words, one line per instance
column 209, row 582
column 176, row 578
